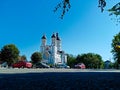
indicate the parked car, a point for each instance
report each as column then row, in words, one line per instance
column 4, row 64
column 80, row 65
column 41, row 65
column 22, row 64
column 62, row 66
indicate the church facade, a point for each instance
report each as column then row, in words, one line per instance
column 52, row 54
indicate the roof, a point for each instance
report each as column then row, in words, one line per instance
column 61, row 51
column 53, row 36
column 57, row 36
column 43, row 37
column 107, row 61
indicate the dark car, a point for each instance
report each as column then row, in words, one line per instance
column 41, row 65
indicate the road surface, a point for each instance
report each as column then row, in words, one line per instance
column 59, row 79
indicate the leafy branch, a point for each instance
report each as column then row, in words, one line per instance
column 64, row 5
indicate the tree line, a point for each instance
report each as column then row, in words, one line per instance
column 11, row 54
column 91, row 60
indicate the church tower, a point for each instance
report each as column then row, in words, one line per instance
column 53, row 39
column 58, row 42
column 54, row 48
column 44, row 40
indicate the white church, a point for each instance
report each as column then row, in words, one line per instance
column 52, row 54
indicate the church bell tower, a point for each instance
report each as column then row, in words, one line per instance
column 43, row 44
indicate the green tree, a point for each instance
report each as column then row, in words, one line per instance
column 9, row 54
column 91, row 60
column 111, row 65
column 22, row 58
column 115, row 48
column 36, row 57
column 115, row 10
column 116, row 65
column 71, row 60
column 0, row 55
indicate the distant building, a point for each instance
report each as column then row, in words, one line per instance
column 107, row 64
column 52, row 54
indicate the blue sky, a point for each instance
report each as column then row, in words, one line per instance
column 84, row 28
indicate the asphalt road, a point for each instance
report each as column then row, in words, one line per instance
column 59, row 79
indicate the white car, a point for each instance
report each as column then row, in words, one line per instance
column 4, row 64
column 62, row 66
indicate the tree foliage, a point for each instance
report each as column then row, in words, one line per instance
column 116, row 50
column 0, row 55
column 116, row 65
column 22, row 58
column 71, row 60
column 65, row 5
column 102, row 4
column 36, row 57
column 91, row 60
column 115, row 10
column 9, row 54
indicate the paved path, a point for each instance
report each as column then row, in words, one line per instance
column 59, row 79
column 25, row 70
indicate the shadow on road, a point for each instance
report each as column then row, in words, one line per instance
column 61, row 81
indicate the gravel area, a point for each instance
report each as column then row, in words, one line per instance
column 59, row 79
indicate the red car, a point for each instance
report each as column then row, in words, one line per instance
column 22, row 64
column 80, row 65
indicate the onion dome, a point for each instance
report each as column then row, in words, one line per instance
column 43, row 37
column 53, row 36
column 57, row 36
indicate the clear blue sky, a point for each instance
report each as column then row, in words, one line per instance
column 84, row 28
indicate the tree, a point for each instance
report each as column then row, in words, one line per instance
column 115, row 10
column 22, row 58
column 116, row 65
column 36, row 57
column 91, row 60
column 71, row 60
column 65, row 5
column 111, row 65
column 0, row 55
column 115, row 48
column 9, row 54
